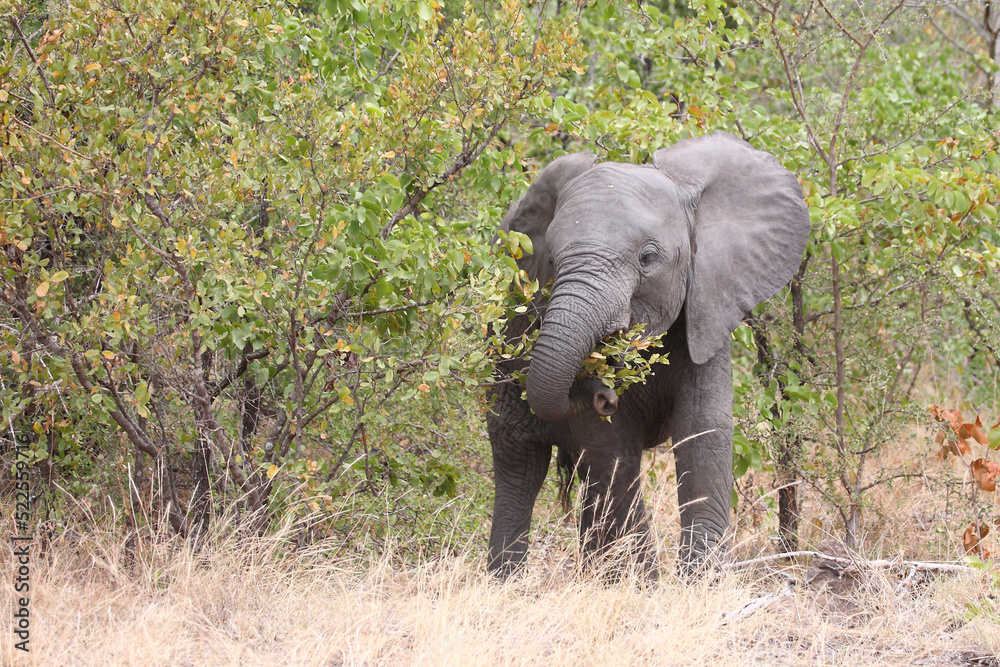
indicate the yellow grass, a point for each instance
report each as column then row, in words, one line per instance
column 254, row 603
column 97, row 600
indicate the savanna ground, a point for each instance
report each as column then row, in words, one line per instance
column 99, row 600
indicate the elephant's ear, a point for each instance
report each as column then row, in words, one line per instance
column 751, row 225
column 532, row 213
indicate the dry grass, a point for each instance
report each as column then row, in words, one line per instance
column 261, row 602
column 256, row 604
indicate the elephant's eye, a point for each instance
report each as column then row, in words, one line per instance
column 648, row 256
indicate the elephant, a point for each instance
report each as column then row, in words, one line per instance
column 688, row 246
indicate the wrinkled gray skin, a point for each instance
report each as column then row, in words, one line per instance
column 688, row 245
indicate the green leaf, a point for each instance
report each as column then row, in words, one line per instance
column 622, row 70
column 525, row 242
column 994, row 438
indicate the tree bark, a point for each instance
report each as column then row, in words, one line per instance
column 991, row 21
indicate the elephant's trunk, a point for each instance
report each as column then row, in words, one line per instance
column 571, row 327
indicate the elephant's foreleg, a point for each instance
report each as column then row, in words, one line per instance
column 614, row 530
column 704, row 487
column 702, row 437
column 520, row 463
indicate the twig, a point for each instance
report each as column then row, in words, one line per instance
column 796, row 98
column 395, row 309
column 919, row 566
column 52, row 139
column 845, row 97
column 977, row 27
column 217, row 388
column 969, row 54
column 31, row 54
column 538, row 30
column 883, row 480
column 905, row 139
column 467, row 156
column 905, row 583
column 756, row 605
column 840, row 25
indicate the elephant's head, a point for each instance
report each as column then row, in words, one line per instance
column 713, row 228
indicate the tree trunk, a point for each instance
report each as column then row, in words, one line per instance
column 991, row 21
column 786, row 472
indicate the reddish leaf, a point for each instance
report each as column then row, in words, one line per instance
column 985, row 473
column 973, row 536
column 978, row 435
column 956, row 448
column 953, row 418
column 939, row 437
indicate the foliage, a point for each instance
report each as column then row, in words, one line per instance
column 621, row 360
column 957, row 439
column 903, row 214
column 237, row 236
column 249, row 250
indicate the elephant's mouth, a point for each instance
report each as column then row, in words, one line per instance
column 592, row 394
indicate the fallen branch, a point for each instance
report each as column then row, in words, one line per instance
column 915, row 565
column 756, row 605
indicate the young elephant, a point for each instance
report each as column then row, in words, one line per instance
column 688, row 246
